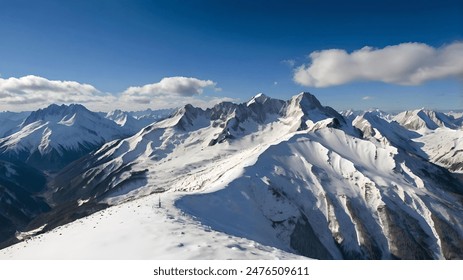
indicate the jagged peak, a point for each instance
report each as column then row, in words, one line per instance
column 422, row 110
column 307, row 101
column 348, row 112
column 55, row 111
column 424, row 118
column 186, row 115
column 63, row 107
column 116, row 112
column 308, row 104
column 372, row 116
column 259, row 98
column 374, row 110
column 188, row 109
column 377, row 113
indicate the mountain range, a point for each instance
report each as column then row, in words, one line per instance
column 291, row 175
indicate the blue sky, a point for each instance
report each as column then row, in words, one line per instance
column 105, row 53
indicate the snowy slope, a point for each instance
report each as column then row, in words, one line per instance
column 444, row 147
column 350, row 114
column 162, row 155
column 125, row 120
column 292, row 175
column 330, row 195
column 139, row 230
column 456, row 117
column 439, row 135
column 422, row 120
column 10, row 122
column 378, row 129
column 149, row 116
column 52, row 137
column 136, row 120
column 19, row 201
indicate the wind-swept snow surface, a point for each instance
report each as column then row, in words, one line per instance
column 444, row 147
column 140, row 230
column 292, row 175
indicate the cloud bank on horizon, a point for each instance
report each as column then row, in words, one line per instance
column 30, row 92
column 403, row 64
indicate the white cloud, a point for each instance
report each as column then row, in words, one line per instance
column 168, row 87
column 403, row 64
column 367, row 97
column 32, row 92
column 29, row 91
column 173, row 92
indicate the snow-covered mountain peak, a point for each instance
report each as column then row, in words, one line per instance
column 307, row 101
column 188, row 109
column 423, row 119
column 120, row 117
column 51, row 137
column 150, row 115
column 310, row 106
column 134, row 121
column 115, row 113
column 56, row 112
column 307, row 111
column 259, row 107
column 376, row 113
column 349, row 113
column 187, row 116
column 259, row 98
column 380, row 114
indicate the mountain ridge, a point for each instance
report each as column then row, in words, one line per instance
column 52, row 137
column 294, row 175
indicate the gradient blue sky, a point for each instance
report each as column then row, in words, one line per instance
column 244, row 47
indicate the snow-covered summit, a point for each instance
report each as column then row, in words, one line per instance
column 423, row 119
column 135, row 120
column 151, row 115
column 56, row 113
column 54, row 136
column 306, row 111
column 440, row 136
column 118, row 116
column 258, row 98
column 125, row 120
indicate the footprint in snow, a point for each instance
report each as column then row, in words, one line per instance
column 236, row 247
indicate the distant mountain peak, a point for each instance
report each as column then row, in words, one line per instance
column 53, row 136
column 309, row 110
column 259, row 98
column 115, row 112
column 54, row 111
column 424, row 119
column 63, row 108
column 186, row 115
column 307, row 101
